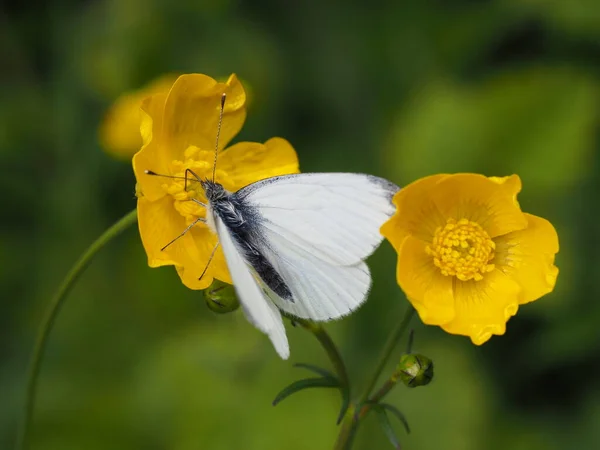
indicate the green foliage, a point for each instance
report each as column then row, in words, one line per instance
column 326, row 380
column 381, row 410
column 384, row 421
column 396, row 412
column 305, row 384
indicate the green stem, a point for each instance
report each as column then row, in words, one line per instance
column 384, row 390
column 389, row 347
column 330, row 349
column 348, row 430
column 56, row 303
column 351, row 421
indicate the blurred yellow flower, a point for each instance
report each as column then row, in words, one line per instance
column 467, row 255
column 179, row 130
column 120, row 130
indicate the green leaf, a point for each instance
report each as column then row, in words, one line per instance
column 316, row 369
column 345, row 404
column 329, row 376
column 384, row 421
column 401, row 417
column 306, row 383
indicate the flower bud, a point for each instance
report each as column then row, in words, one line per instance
column 415, row 370
column 220, row 297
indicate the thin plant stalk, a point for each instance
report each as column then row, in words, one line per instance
column 330, row 348
column 54, row 308
column 351, row 421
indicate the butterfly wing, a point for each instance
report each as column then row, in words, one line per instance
column 320, row 291
column 257, row 307
column 317, row 230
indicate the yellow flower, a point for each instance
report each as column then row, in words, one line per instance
column 179, row 130
column 467, row 255
column 120, row 130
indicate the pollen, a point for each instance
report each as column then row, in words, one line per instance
column 462, row 249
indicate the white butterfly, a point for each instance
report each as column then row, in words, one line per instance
column 297, row 243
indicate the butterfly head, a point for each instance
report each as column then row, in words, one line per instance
column 214, row 191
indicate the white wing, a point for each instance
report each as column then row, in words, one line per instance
column 259, row 310
column 318, row 229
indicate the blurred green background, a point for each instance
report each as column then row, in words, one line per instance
column 399, row 89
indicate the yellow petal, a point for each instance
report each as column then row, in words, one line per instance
column 151, row 157
column 527, row 256
column 428, row 290
column 192, row 253
column 159, row 223
column 192, row 114
column 248, row 162
column 153, row 110
column 120, row 130
column 217, row 269
column 416, row 213
column 483, row 307
column 492, row 203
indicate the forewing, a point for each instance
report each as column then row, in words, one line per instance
column 335, row 216
column 317, row 230
column 257, row 307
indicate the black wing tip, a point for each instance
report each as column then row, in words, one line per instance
column 384, row 183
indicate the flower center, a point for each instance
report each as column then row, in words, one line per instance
column 200, row 161
column 462, row 249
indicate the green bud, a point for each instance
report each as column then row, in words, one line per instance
column 220, row 297
column 415, row 370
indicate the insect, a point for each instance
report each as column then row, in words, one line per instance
column 297, row 243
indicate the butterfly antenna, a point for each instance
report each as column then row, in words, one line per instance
column 154, row 174
column 186, row 178
column 223, row 97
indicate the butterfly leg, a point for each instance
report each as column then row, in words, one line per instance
column 209, row 260
column 199, row 219
column 194, row 174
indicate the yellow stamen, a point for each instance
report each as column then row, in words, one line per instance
column 200, row 162
column 196, row 160
column 462, row 249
